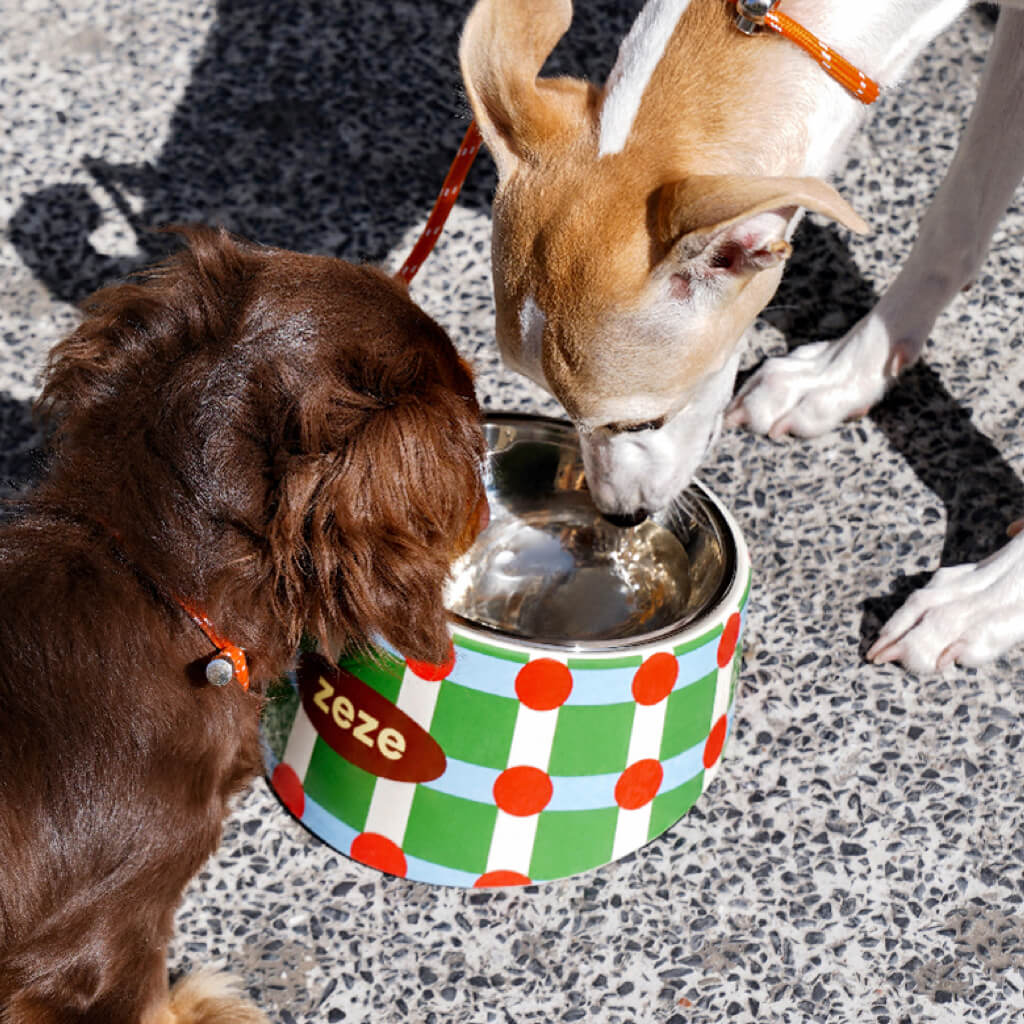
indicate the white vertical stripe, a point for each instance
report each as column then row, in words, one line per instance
column 512, row 843
column 301, row 740
column 639, row 55
column 648, row 727
column 631, row 828
column 532, row 738
column 391, row 803
column 418, row 698
column 723, row 684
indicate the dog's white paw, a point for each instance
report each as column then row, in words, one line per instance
column 817, row 386
column 966, row 615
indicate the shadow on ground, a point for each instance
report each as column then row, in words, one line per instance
column 919, row 417
column 328, row 126
column 21, row 439
column 319, row 125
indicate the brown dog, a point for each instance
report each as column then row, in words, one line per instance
column 276, row 442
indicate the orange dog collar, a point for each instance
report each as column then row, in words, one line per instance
column 230, row 662
column 752, row 15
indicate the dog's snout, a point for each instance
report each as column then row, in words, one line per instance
column 625, row 520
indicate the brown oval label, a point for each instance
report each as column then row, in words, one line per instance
column 355, row 721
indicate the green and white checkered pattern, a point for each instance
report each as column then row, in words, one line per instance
column 577, row 765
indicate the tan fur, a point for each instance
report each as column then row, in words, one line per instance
column 594, row 241
column 208, row 997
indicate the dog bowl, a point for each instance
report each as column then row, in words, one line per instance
column 585, row 704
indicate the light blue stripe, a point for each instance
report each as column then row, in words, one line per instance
column 477, row 671
column 569, row 792
column 598, row 686
column 591, row 686
column 466, row 780
column 582, row 792
column 418, row 870
column 330, row 829
column 695, row 665
column 682, row 767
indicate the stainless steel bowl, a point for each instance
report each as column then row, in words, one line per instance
column 552, row 570
column 586, row 703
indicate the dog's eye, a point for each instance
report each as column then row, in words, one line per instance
column 635, row 428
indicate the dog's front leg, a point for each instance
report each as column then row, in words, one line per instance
column 967, row 614
column 819, row 385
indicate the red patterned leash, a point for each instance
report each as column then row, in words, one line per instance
column 443, row 206
column 753, row 14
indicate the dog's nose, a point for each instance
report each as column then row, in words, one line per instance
column 626, row 519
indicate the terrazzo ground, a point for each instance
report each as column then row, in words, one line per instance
column 861, row 855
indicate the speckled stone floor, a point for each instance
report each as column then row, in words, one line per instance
column 861, row 855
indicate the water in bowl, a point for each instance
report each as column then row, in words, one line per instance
column 550, row 569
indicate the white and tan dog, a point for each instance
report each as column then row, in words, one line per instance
column 640, row 228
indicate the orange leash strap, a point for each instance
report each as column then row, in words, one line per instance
column 443, row 206
column 845, row 73
column 235, row 664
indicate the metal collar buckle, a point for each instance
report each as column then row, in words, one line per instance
column 750, row 14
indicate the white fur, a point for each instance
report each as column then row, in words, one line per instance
column 531, row 340
column 968, row 613
column 629, row 471
column 640, row 53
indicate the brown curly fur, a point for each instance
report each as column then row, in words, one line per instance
column 285, row 440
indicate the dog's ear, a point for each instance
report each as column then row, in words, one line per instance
column 81, row 368
column 374, row 502
column 736, row 223
column 170, row 307
column 503, row 47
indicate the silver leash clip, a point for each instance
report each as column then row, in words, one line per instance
column 219, row 671
column 750, row 14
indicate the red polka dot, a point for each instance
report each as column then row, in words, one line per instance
column 727, row 643
column 522, row 790
column 544, row 684
column 433, row 673
column 715, row 741
column 638, row 784
column 495, row 878
column 288, row 787
column 655, row 678
column 378, row 852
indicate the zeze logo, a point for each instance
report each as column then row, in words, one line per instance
column 364, row 727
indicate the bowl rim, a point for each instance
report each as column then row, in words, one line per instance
column 730, row 596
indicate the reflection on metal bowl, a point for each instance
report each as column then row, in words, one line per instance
column 551, row 570
column 586, row 703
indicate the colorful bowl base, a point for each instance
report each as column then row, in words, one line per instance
column 555, row 764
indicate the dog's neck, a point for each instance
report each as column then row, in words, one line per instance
column 693, row 93
column 216, row 601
